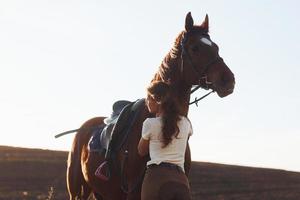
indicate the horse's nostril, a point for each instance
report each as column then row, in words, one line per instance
column 224, row 80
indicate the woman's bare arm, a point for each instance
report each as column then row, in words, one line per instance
column 143, row 147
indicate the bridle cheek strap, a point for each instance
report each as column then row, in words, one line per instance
column 204, row 69
column 201, row 74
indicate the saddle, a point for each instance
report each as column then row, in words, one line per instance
column 116, row 133
column 101, row 137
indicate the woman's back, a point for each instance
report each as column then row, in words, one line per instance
column 172, row 153
column 164, row 138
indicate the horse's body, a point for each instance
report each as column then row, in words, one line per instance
column 193, row 60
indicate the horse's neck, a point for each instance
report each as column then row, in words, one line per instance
column 183, row 97
column 170, row 71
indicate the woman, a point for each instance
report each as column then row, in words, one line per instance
column 164, row 138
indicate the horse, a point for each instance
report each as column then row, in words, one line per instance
column 193, row 61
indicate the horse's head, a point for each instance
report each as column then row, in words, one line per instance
column 201, row 63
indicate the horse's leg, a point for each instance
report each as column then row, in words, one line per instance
column 74, row 175
column 98, row 196
column 82, row 165
column 86, row 190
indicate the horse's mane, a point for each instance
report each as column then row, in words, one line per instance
column 167, row 68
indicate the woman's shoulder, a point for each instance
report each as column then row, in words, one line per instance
column 153, row 120
column 185, row 121
column 152, row 124
column 184, row 118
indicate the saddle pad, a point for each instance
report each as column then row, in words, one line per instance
column 94, row 144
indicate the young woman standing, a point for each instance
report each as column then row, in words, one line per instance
column 164, row 138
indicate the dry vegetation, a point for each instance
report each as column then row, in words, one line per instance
column 40, row 174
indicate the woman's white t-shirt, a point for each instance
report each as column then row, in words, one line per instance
column 175, row 151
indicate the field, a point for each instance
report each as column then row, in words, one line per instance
column 29, row 174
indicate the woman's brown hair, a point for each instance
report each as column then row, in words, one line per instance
column 163, row 94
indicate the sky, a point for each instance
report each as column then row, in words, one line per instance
column 64, row 62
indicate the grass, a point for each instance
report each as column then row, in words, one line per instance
column 30, row 174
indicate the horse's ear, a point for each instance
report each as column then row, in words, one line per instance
column 205, row 24
column 189, row 22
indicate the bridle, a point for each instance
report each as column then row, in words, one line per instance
column 200, row 73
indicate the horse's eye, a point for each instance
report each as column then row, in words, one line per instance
column 195, row 49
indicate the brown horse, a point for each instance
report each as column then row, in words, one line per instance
column 193, row 60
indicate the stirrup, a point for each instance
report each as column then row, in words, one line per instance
column 99, row 172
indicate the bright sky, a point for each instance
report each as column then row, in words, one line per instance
column 64, row 62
